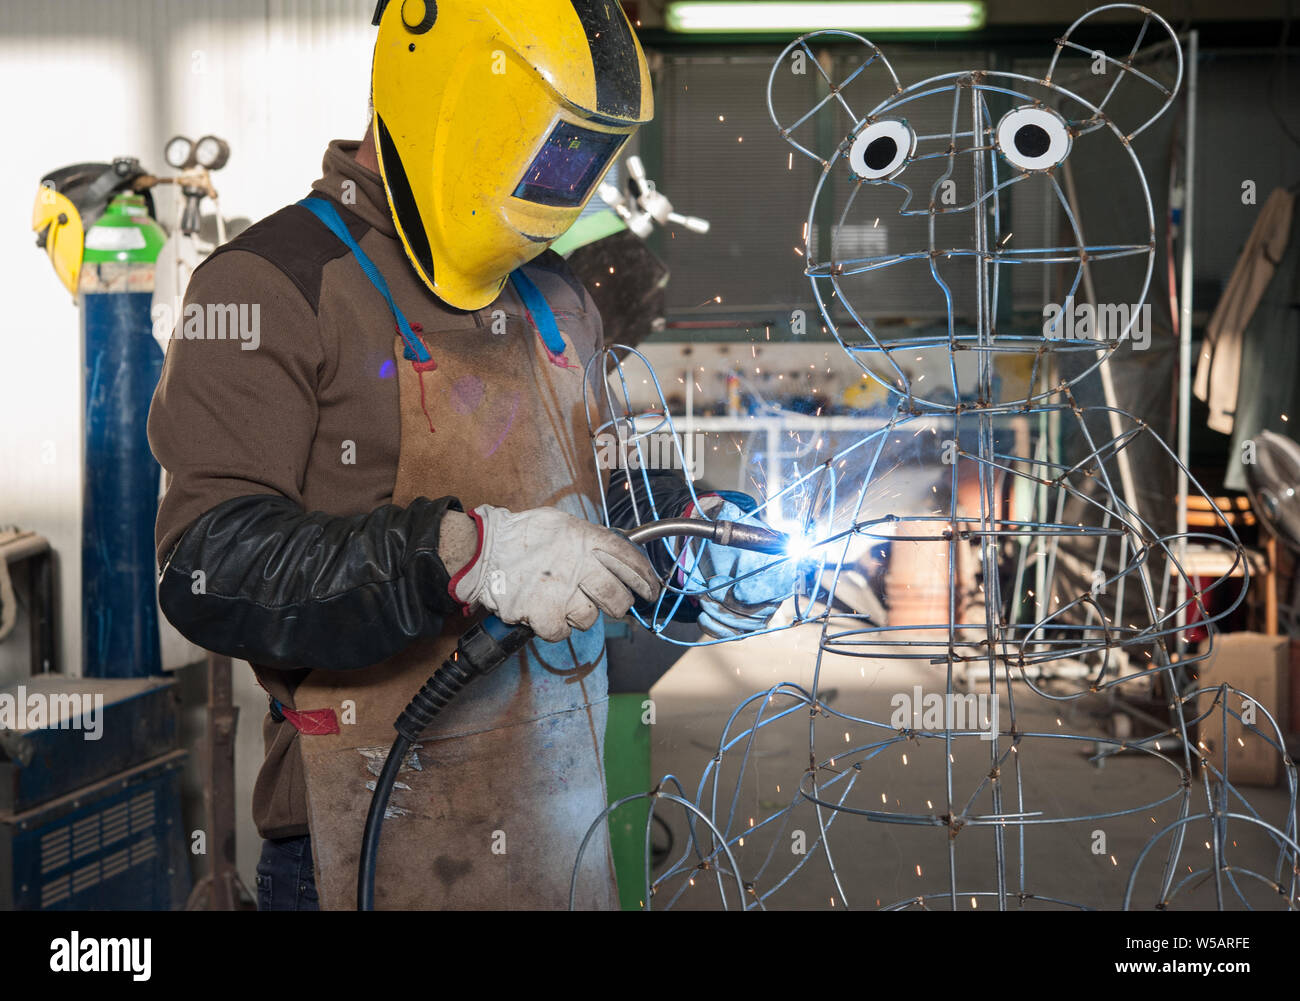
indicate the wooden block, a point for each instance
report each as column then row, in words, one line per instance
column 1258, row 666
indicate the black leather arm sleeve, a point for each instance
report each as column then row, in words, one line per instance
column 260, row 579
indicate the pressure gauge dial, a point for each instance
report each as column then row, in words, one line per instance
column 179, row 152
column 211, row 152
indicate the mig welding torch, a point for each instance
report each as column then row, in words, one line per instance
column 486, row 646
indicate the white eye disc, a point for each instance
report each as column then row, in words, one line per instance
column 1033, row 138
column 882, row 149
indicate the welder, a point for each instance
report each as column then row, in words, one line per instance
column 407, row 448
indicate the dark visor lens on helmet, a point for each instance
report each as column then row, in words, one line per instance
column 568, row 165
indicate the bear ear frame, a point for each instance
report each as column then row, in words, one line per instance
column 875, row 58
column 1125, row 65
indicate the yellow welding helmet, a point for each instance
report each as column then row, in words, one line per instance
column 495, row 121
column 59, row 232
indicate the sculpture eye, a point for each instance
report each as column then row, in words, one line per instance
column 882, row 149
column 1033, row 138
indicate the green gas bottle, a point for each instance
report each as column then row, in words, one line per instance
column 121, row 248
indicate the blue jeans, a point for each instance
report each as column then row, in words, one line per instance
column 286, row 880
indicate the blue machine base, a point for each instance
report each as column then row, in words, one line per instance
column 115, row 845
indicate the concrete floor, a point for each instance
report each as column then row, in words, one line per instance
column 1085, row 862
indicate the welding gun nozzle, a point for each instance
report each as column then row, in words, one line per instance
column 757, row 538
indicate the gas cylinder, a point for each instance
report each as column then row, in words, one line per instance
column 121, row 364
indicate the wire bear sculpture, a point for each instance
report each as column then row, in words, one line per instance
column 1085, row 581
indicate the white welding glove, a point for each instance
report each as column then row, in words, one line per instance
column 552, row 571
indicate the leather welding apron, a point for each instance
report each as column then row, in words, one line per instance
column 492, row 804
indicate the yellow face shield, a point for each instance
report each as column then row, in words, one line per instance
column 495, row 121
column 57, row 224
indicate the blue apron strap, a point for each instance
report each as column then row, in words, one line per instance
column 537, row 305
column 328, row 214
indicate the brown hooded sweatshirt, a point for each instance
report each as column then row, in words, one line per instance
column 301, row 398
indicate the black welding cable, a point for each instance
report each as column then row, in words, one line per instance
column 375, row 823
column 480, row 650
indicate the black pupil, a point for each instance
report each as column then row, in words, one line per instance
column 881, row 152
column 1032, row 140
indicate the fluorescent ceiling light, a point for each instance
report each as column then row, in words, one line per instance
column 871, row 15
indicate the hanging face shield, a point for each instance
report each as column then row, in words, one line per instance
column 495, row 121
column 69, row 202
